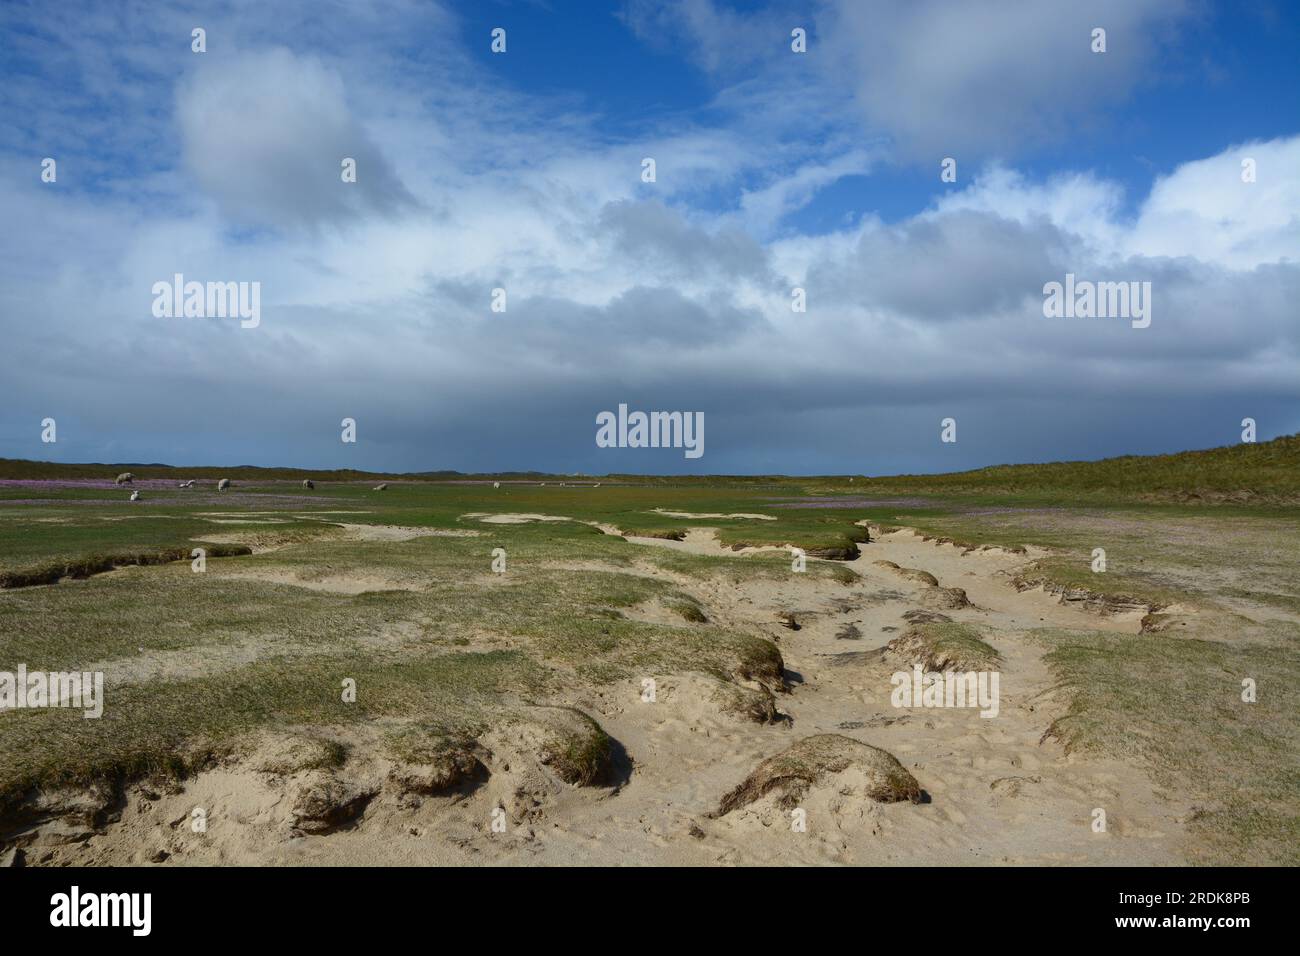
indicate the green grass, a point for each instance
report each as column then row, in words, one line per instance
column 83, row 566
column 1233, row 473
column 444, row 643
column 34, row 537
column 171, row 727
column 1174, row 706
column 1115, row 587
column 686, row 606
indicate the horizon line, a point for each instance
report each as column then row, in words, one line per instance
column 613, row 475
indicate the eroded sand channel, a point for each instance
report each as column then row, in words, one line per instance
column 995, row 791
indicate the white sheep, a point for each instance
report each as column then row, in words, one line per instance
column 223, row 484
column 135, row 496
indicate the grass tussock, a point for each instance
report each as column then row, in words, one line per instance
column 938, row 643
column 290, row 754
column 575, row 746
column 812, row 761
column 432, row 759
column 687, row 608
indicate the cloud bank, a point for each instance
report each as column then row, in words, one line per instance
column 377, row 295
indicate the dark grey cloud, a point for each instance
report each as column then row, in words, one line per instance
column 665, row 241
column 957, row 266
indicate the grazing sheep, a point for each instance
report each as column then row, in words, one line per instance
column 135, row 496
column 598, row 484
column 125, row 478
column 188, row 484
column 382, row 486
column 223, row 484
column 308, row 483
column 496, row 484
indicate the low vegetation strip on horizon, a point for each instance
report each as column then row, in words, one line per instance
column 1269, row 469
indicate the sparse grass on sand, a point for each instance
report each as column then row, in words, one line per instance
column 442, row 649
column 941, row 645
column 1174, row 704
column 198, row 663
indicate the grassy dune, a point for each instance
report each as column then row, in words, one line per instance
column 1242, row 473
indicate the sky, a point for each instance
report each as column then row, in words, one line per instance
column 523, row 170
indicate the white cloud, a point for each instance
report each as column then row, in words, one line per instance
column 980, row 77
column 1203, row 209
column 266, row 133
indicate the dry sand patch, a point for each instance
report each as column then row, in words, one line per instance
column 693, row 515
column 351, row 583
column 704, row 541
column 386, row 532
column 509, row 518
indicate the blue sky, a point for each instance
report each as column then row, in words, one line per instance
column 1232, row 75
column 521, row 171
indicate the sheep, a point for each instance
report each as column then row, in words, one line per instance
column 188, row 484
column 223, row 484
column 496, row 484
column 382, row 486
column 135, row 496
column 125, row 478
column 308, row 484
